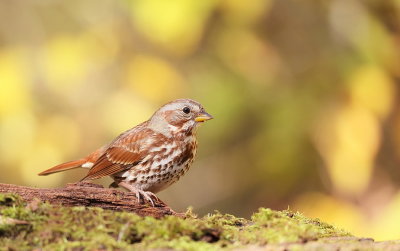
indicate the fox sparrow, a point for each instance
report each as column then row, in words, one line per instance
column 152, row 155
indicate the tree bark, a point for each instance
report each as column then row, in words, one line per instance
column 90, row 195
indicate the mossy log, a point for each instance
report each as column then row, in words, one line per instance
column 90, row 195
column 42, row 226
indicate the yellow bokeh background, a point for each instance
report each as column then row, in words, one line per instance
column 304, row 95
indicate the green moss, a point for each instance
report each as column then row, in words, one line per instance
column 292, row 227
column 64, row 228
column 16, row 218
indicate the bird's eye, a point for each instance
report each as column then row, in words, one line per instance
column 186, row 109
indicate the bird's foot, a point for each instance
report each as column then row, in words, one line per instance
column 146, row 195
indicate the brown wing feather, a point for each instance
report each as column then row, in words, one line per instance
column 124, row 152
column 105, row 168
column 116, row 159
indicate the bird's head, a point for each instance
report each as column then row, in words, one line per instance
column 181, row 115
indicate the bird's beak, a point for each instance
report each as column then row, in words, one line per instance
column 203, row 117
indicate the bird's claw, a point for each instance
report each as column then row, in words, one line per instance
column 146, row 196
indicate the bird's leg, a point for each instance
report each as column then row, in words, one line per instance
column 145, row 194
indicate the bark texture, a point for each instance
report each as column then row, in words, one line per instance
column 90, row 195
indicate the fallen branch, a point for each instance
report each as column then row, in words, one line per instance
column 90, row 195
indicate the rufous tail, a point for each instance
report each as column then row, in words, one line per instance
column 64, row 167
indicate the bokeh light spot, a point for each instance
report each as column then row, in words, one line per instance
column 154, row 78
column 14, row 82
column 348, row 138
column 176, row 25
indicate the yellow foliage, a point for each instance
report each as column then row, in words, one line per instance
column 247, row 54
column 348, row 138
column 17, row 133
column 123, row 111
column 176, row 25
column 244, row 12
column 65, row 61
column 331, row 210
column 154, row 78
column 14, row 82
column 372, row 88
column 68, row 59
column 383, row 225
column 386, row 226
column 61, row 132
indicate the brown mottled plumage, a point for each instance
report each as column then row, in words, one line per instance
column 152, row 155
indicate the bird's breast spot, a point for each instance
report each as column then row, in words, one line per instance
column 87, row 165
column 129, row 177
column 165, row 160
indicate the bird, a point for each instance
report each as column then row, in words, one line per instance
column 149, row 157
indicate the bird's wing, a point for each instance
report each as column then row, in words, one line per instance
column 125, row 152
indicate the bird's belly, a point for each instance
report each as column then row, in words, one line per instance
column 155, row 178
column 157, row 172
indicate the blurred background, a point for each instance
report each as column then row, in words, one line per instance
column 304, row 95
